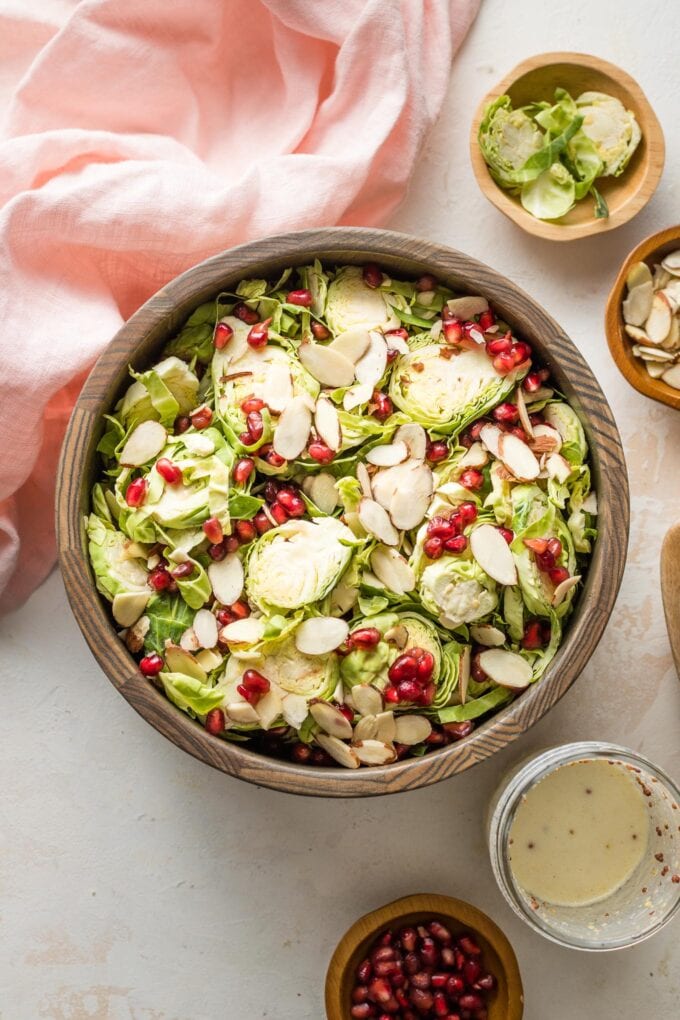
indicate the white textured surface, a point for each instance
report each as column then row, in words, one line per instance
column 136, row 884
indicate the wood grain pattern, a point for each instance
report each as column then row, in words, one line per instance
column 651, row 251
column 507, row 1003
column 536, row 79
column 670, row 589
column 140, row 340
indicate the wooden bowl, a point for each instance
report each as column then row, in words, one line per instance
column 507, row 1002
column 536, row 79
column 651, row 250
column 141, row 339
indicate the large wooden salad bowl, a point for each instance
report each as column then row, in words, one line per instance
column 139, row 341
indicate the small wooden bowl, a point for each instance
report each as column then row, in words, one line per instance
column 651, row 250
column 536, row 79
column 507, row 1002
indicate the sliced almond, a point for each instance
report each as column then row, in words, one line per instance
column 476, row 456
column 293, row 430
column 412, row 729
column 653, row 354
column 277, row 387
column 134, row 635
column 397, row 636
column 672, row 341
column 338, row 750
column 374, row 752
column 507, row 669
column 364, row 480
column 636, row 334
column 658, row 325
column 294, row 709
column 464, row 673
column 386, row 727
column 557, row 467
column 209, row 659
column 323, row 491
column 269, row 707
column 243, row 632
column 390, row 567
column 656, row 368
column 366, row 728
column 370, row 368
column 672, row 377
column 178, row 660
column 488, row 635
column 638, row 304
column 328, row 367
column 143, row 444
column 135, row 551
column 128, row 606
column 375, row 520
column 367, row 699
column 331, row 720
column 386, row 482
column 320, row 635
column 517, row 457
column 205, row 628
column 563, row 589
column 553, row 440
column 415, row 439
column 357, row 395
column 409, row 505
column 387, row 454
column 638, row 273
column 189, row 640
column 467, row 307
column 352, row 344
column 524, row 418
column 490, row 435
column 327, row 423
column 493, row 554
column 396, row 343
column 200, row 446
column 242, row 712
column 590, row 503
column 671, row 262
column 226, row 578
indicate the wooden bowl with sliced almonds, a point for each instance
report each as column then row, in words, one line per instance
column 145, row 335
column 642, row 318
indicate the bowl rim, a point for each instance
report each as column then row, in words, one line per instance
column 620, row 347
column 546, row 229
column 159, row 317
column 461, row 911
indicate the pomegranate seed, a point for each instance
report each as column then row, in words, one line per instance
column 151, row 665
column 470, row 1000
column 457, row 544
column 405, row 667
column 408, row 938
column 504, row 363
column 426, row 282
column 246, row 439
column 507, row 534
column 252, row 697
column 433, row 548
column 201, row 417
column 411, row 962
column 217, row 552
column 182, row 570
column 319, row 452
column 182, row 424
column 401, row 997
column 453, row 331
column 254, row 681
column 222, row 335
column 421, row 979
column 364, row 637
column 320, row 331
column 271, row 491
column 427, row 695
column 135, row 494
column 471, row 971
column 455, row 985
column 252, row 404
column 169, row 471
column 269, row 454
column 468, row 513
column 239, row 610
column 347, row 712
column 159, row 579
column 359, row 992
column 545, row 561
column 429, row 953
column 437, row 451
column 386, row 968
column 537, row 545
column 391, row 694
column 399, row 334
column 425, row 671
column 532, row 382
column 487, row 319
column 506, row 412
column 245, row 314
column 231, row 543
column 486, row 982
column 379, row 990
column 383, row 406
column 259, row 333
column 421, row 999
column 441, row 1007
column 439, row 980
column 409, row 690
column 262, row 522
column 438, row 930
column 212, row 529
column 468, row 945
column 471, row 478
column 278, row 513
column 293, row 504
column 392, row 355
column 499, row 345
column 301, row 754
column 299, row 297
column 243, row 469
column 476, row 670
column 521, row 352
column 361, row 1011
column 554, row 547
column 558, row 575
column 224, row 617
column 447, row 954
column 435, row 739
column 245, row 530
column 372, row 276
column 255, row 425
column 443, row 527
column 214, row 721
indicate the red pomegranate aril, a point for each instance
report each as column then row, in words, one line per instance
column 243, row 469
column 476, row 670
column 217, row 552
column 453, row 331
column 372, row 275
column 440, row 1004
column 231, row 543
column 487, row 319
column 252, row 697
column 319, row 452
column 425, row 671
column 472, row 479
column 499, row 345
column 362, row 1011
column 224, row 617
column 447, row 954
column 212, row 529
column 426, row 282
column 532, row 382
column 359, row 992
column 555, row 547
column 521, row 352
column 537, row 545
column 468, row 513
column 504, row 363
column 364, row 637
column 471, row 971
column 379, row 990
column 411, row 962
column 245, row 530
column 429, row 953
column 405, row 667
column 427, row 695
column 271, row 491
column 246, row 439
column 438, row 930
column 255, row 425
column 437, row 451
column 439, row 980
column 182, row 570
column 201, row 417
column 409, row 690
column 435, row 739
column 319, row 331
column 299, row 297
column 262, row 522
column 169, row 471
column 252, row 404
column 392, row 355
column 454, row 984
column 468, row 945
column 506, row 412
column 456, row 544
column 279, row 513
column 408, row 938
column 487, row 982
column 433, row 547
column 533, row 636
column 259, row 334
column 383, row 406
column 398, row 334
column 246, row 314
column 545, row 561
column 135, row 494
column 159, row 579
column 347, row 712
column 558, row 575
column 401, row 996
column 507, row 534
column 471, row 1000
column 222, row 335
column 182, row 423
column 214, row 721
column 441, row 527
column 386, row 968
column 421, row 999
column 459, row 730
column 272, row 457
column 151, row 665
column 301, row 754
column 421, row 979
column 292, row 503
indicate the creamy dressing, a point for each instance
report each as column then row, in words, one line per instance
column 579, row 834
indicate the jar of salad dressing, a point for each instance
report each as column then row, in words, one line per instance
column 585, row 845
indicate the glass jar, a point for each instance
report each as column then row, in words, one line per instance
column 635, row 910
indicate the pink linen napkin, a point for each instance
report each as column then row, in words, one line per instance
column 146, row 136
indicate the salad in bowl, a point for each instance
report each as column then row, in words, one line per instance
column 344, row 517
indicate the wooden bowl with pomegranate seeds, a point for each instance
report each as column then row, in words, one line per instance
column 505, row 1000
column 141, row 339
